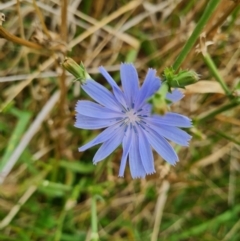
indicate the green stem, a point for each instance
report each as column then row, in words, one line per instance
column 217, row 111
column 94, row 231
column 196, row 32
column 61, row 219
column 159, row 99
column 212, row 67
column 230, row 138
column 163, row 90
column 69, row 204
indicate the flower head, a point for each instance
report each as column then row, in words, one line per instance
column 127, row 117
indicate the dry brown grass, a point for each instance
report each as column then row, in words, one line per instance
column 47, row 194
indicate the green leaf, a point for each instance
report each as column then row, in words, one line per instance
column 77, row 166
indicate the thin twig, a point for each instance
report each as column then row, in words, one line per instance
column 28, row 135
column 5, row 34
column 162, row 198
column 18, row 206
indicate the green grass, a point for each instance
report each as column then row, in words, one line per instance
column 55, row 193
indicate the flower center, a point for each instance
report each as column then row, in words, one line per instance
column 132, row 116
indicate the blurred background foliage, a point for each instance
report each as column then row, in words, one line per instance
column 52, row 191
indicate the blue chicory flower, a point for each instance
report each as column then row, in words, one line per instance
column 127, row 117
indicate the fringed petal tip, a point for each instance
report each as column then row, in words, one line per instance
column 154, row 70
column 190, row 122
column 187, row 144
column 174, row 163
column 187, row 141
column 86, row 146
column 126, row 63
column 76, row 106
column 139, row 177
column 151, row 173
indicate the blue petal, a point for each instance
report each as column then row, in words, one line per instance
column 146, row 110
column 173, row 133
column 129, row 78
column 92, row 109
column 150, row 85
column 116, row 90
column 102, row 137
column 100, row 94
column 91, row 123
column 135, row 163
column 108, row 77
column 171, row 119
column 163, row 148
column 146, row 153
column 126, row 144
column 175, row 96
column 109, row 146
column 120, row 96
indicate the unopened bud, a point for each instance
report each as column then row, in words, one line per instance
column 76, row 70
column 181, row 79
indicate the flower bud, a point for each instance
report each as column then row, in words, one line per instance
column 76, row 70
column 181, row 79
